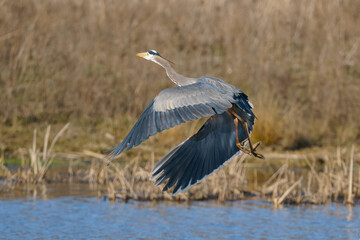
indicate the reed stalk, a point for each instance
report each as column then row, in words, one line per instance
column 2, row 155
column 279, row 201
column 351, row 170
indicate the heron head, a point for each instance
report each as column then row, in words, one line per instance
column 152, row 55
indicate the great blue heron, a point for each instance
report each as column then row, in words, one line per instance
column 218, row 140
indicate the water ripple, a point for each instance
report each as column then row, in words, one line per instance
column 88, row 218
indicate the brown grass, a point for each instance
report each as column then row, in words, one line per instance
column 315, row 177
column 39, row 162
column 74, row 60
column 295, row 179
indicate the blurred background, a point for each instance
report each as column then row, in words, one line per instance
column 74, row 61
column 71, row 87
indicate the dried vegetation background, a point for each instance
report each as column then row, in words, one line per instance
column 75, row 61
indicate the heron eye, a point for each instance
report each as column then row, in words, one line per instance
column 153, row 52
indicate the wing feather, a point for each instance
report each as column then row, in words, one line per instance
column 174, row 106
column 199, row 156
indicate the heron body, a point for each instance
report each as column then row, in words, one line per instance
column 222, row 137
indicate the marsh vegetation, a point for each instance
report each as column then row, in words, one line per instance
column 318, row 177
column 73, row 61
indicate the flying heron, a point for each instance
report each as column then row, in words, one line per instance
column 223, row 136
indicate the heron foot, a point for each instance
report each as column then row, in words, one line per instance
column 241, row 145
column 243, row 148
column 256, row 145
column 255, row 154
column 252, row 151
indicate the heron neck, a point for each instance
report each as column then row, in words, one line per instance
column 177, row 78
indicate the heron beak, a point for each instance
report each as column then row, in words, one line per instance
column 143, row 54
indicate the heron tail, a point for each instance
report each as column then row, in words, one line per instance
column 199, row 156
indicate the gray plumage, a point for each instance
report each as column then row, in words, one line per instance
column 213, row 145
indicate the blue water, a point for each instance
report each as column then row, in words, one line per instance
column 74, row 217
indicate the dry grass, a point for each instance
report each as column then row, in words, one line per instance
column 39, row 162
column 317, row 183
column 327, row 177
column 314, row 177
column 74, row 60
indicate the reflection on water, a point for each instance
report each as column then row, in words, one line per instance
column 80, row 215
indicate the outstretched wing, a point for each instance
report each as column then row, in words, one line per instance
column 199, row 156
column 174, row 106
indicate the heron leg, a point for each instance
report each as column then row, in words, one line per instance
column 240, row 145
column 252, row 149
column 243, row 142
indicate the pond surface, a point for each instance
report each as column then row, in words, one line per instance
column 78, row 214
